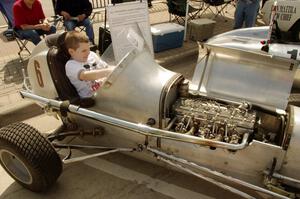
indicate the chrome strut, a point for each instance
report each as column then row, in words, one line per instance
column 68, row 158
column 176, row 162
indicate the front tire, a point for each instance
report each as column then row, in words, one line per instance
column 28, row 157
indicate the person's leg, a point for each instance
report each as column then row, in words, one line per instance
column 239, row 14
column 89, row 29
column 51, row 31
column 251, row 13
column 70, row 24
column 31, row 35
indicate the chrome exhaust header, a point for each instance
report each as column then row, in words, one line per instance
column 138, row 128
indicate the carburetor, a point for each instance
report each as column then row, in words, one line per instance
column 213, row 120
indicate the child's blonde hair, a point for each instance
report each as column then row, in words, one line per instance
column 73, row 38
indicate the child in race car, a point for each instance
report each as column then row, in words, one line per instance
column 85, row 70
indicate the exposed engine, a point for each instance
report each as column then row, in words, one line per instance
column 212, row 120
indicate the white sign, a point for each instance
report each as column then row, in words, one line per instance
column 124, row 18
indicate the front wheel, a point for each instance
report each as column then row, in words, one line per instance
column 28, row 157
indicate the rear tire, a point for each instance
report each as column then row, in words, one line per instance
column 28, row 157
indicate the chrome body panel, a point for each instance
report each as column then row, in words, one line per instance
column 238, row 75
column 135, row 89
column 247, row 164
column 251, row 39
column 40, row 78
column 291, row 163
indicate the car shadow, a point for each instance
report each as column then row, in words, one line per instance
column 120, row 176
column 12, row 75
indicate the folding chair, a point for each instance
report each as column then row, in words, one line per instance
column 20, row 41
column 219, row 5
column 9, row 32
column 22, row 44
column 6, row 10
column 177, row 8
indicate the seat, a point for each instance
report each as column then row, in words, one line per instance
column 177, row 8
column 57, row 58
column 219, row 5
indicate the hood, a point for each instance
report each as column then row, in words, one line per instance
column 239, row 75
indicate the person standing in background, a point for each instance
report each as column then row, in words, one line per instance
column 246, row 12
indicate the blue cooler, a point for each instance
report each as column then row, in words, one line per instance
column 167, row 36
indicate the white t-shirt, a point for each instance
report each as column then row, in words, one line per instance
column 74, row 68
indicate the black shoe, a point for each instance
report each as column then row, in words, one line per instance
column 9, row 34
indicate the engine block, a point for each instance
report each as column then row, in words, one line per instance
column 212, row 120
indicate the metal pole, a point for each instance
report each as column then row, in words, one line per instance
column 186, row 19
column 219, row 184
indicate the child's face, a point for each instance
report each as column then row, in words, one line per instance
column 81, row 53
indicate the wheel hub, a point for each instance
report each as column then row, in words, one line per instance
column 15, row 166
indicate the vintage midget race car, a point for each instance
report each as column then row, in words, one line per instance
column 287, row 16
column 231, row 125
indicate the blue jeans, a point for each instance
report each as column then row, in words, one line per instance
column 35, row 35
column 246, row 11
column 71, row 24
